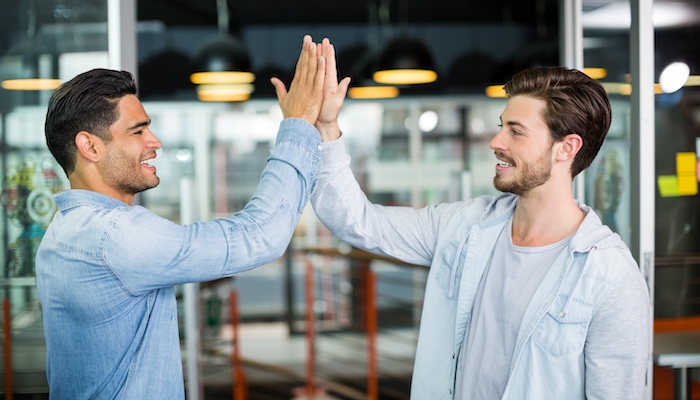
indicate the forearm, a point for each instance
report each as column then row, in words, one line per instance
column 341, row 205
column 262, row 230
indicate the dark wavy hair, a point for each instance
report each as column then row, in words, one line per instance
column 88, row 103
column 575, row 104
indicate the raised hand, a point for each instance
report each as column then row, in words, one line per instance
column 305, row 95
column 333, row 94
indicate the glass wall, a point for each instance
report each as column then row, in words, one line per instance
column 606, row 45
column 677, row 149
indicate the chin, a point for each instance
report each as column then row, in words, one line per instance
column 507, row 187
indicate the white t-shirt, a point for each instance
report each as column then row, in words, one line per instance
column 505, row 290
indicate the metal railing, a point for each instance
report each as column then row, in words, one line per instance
column 354, row 339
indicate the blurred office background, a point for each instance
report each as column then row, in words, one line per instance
column 423, row 143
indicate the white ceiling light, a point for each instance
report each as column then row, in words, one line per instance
column 427, row 121
column 674, row 76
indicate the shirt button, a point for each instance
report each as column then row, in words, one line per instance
column 320, row 147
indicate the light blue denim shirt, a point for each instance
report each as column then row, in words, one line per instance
column 106, row 273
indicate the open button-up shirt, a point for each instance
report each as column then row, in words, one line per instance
column 106, row 273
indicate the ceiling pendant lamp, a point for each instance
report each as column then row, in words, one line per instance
column 364, row 62
column 363, row 86
column 35, row 65
column 36, row 70
column 223, row 59
column 405, row 60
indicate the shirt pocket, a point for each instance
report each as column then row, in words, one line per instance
column 561, row 334
column 449, row 270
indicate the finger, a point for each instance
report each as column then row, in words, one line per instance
column 320, row 77
column 280, row 89
column 331, row 64
column 324, row 46
column 312, row 63
column 301, row 62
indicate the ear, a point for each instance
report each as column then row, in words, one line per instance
column 569, row 147
column 88, row 145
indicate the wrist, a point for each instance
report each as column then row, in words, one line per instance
column 328, row 130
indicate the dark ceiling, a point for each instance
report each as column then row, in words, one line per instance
column 540, row 16
column 187, row 12
column 534, row 21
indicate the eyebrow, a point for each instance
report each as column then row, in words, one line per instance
column 515, row 124
column 139, row 125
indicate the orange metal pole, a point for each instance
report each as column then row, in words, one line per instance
column 310, row 331
column 7, row 327
column 240, row 386
column 372, row 386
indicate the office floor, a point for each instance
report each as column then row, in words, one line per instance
column 270, row 345
column 663, row 389
column 274, row 365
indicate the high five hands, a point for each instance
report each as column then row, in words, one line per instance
column 315, row 93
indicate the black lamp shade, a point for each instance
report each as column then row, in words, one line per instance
column 222, row 53
column 405, row 60
column 405, row 53
column 28, row 77
column 362, row 85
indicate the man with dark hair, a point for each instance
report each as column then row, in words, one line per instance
column 106, row 270
column 529, row 295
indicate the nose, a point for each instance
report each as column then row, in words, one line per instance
column 152, row 141
column 497, row 143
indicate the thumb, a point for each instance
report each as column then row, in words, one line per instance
column 280, row 89
column 343, row 85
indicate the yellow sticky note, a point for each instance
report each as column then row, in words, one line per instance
column 686, row 163
column 687, row 185
column 668, row 185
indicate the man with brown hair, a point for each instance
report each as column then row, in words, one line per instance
column 529, row 295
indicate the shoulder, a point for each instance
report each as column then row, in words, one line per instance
column 613, row 264
column 456, row 219
column 614, row 276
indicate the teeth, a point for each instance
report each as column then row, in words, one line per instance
column 505, row 164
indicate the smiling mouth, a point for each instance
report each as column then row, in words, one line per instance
column 501, row 160
column 147, row 162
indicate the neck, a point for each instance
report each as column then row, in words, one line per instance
column 543, row 218
column 77, row 183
